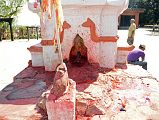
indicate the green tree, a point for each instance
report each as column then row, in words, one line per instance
column 151, row 10
column 151, row 14
column 10, row 8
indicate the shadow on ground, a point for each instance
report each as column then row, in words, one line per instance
column 153, row 33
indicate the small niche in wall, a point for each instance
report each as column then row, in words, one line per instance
column 78, row 53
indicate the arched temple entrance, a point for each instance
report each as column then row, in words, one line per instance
column 78, row 53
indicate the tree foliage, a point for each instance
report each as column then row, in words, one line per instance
column 151, row 14
column 151, row 10
column 10, row 8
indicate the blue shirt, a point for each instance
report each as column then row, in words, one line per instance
column 135, row 55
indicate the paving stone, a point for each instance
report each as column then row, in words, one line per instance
column 33, row 91
column 26, row 73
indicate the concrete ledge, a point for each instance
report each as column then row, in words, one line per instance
column 35, row 48
column 62, row 108
column 36, row 55
column 48, row 42
column 127, row 48
column 122, row 53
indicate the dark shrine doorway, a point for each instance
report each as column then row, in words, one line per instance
column 78, row 53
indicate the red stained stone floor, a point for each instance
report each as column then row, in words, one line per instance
column 23, row 91
column 97, row 90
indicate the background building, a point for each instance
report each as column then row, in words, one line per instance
column 132, row 12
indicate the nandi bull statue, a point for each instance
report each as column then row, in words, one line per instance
column 94, row 21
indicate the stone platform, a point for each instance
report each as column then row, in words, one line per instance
column 126, row 92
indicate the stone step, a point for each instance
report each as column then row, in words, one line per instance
column 122, row 53
column 44, row 56
column 36, row 55
column 126, row 48
column 35, row 48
